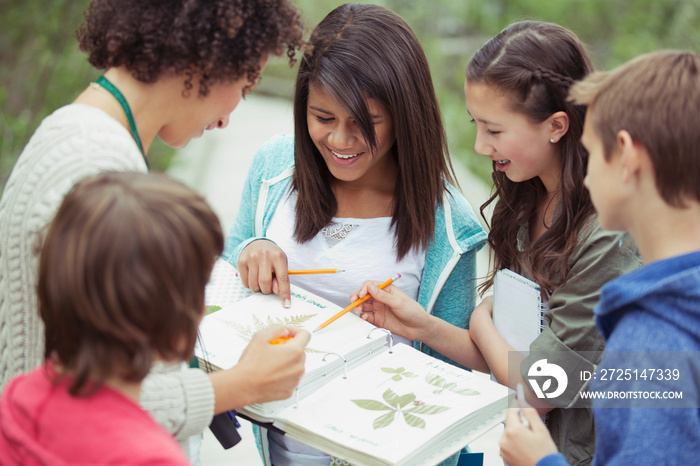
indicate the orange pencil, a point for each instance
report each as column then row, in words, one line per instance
column 355, row 304
column 277, row 341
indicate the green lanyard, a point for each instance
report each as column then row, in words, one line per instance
column 111, row 88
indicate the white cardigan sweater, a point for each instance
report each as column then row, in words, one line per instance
column 75, row 141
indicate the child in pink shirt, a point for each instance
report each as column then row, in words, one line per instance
column 121, row 285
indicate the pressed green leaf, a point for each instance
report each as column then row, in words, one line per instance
column 390, row 397
column 427, row 409
column 435, row 380
column 406, row 399
column 414, row 421
column 384, row 420
column 372, row 405
column 443, row 385
column 398, row 401
column 297, row 321
column 247, row 332
column 466, row 392
column 210, row 309
column 400, row 373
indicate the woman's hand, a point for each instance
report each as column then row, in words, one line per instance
column 523, row 445
column 275, row 370
column 265, row 371
column 262, row 266
column 393, row 310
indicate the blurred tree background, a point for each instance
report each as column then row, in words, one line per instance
column 41, row 68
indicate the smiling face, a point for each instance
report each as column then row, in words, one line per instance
column 520, row 148
column 340, row 142
column 198, row 114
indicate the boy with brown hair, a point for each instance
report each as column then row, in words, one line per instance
column 122, row 275
column 642, row 135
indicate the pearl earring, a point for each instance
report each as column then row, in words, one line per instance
column 551, row 140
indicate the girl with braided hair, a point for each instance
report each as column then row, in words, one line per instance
column 543, row 224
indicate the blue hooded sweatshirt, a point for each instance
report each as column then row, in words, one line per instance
column 651, row 321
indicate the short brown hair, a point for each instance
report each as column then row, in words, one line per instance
column 655, row 98
column 359, row 52
column 122, row 275
column 211, row 40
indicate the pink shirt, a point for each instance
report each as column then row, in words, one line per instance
column 41, row 424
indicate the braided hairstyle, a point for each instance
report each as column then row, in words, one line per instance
column 535, row 63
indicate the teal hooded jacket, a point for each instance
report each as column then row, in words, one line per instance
column 448, row 284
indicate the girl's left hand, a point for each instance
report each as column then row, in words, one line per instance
column 522, row 445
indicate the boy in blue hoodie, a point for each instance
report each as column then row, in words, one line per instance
column 643, row 138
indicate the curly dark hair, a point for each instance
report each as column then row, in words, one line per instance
column 208, row 40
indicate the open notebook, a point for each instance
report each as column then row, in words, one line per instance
column 402, row 407
column 361, row 399
column 225, row 333
column 518, row 309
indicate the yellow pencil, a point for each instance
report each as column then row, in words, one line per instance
column 311, row 271
column 356, row 303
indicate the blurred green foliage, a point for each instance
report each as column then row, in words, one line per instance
column 452, row 30
column 42, row 68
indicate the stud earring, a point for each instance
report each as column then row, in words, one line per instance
column 551, row 140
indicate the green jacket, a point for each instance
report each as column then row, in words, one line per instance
column 600, row 257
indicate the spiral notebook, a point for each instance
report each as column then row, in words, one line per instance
column 236, row 314
column 518, row 309
column 402, row 407
column 362, row 399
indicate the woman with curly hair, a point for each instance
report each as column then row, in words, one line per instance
column 172, row 70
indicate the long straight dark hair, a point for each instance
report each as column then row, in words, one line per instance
column 361, row 52
column 535, row 63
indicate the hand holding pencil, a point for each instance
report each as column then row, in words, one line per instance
column 356, row 303
column 262, row 266
column 392, row 309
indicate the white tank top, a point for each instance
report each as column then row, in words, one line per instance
column 364, row 247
